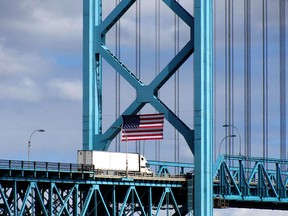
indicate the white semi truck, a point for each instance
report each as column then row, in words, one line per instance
column 114, row 161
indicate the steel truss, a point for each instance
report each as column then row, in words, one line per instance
column 263, row 186
column 34, row 197
column 42, row 190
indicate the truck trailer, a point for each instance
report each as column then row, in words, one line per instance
column 114, row 161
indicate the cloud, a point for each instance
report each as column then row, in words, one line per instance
column 66, row 89
column 14, row 62
column 42, row 24
column 20, row 90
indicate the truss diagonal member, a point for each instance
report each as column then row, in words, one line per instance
column 269, row 182
column 103, row 140
column 40, row 199
column 115, row 15
column 120, row 67
column 217, row 165
column 253, row 172
column 103, row 202
column 186, row 132
column 130, row 189
column 165, row 193
column 65, row 202
column 279, row 183
column 125, row 201
column 172, row 66
column 181, row 12
column 174, row 202
column 62, row 201
column 244, row 187
column 28, row 191
column 227, row 173
column 88, row 199
column 93, row 189
column 140, row 203
column 5, row 200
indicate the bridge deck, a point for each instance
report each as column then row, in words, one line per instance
column 261, row 184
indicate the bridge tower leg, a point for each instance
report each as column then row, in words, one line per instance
column 203, row 106
column 92, row 73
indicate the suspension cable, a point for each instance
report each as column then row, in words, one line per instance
column 214, row 80
column 117, row 80
column 247, row 76
column 226, row 76
column 176, row 89
column 282, row 81
column 157, row 61
column 265, row 80
column 138, row 51
column 229, row 83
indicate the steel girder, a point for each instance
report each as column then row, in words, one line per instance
column 262, row 186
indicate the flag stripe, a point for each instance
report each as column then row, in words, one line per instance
column 142, row 127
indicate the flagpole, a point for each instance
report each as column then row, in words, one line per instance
column 126, row 138
column 126, row 154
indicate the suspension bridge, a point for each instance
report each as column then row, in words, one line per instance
column 235, row 96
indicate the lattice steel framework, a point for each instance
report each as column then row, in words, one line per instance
column 263, row 186
column 95, row 49
column 48, row 189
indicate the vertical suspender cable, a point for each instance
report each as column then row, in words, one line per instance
column 214, row 80
column 117, row 79
column 247, row 76
column 265, row 80
column 226, row 75
column 231, row 61
column 138, row 52
column 229, row 80
column 282, row 81
column 176, row 89
column 157, row 60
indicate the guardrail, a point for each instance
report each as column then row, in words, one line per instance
column 38, row 166
column 43, row 166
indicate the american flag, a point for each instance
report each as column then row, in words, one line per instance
column 142, row 127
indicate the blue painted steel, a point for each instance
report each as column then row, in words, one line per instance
column 25, row 189
column 203, row 106
column 93, row 138
column 92, row 73
column 163, row 167
column 257, row 187
column 66, row 189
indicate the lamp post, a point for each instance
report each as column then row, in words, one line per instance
column 227, row 125
column 29, row 142
column 233, row 135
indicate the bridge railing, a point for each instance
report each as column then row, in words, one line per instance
column 33, row 168
column 39, row 166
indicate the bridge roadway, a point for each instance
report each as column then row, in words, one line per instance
column 45, row 188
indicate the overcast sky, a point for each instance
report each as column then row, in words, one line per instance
column 41, row 78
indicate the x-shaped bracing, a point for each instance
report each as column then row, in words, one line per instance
column 145, row 93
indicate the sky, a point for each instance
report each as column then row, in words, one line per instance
column 41, row 77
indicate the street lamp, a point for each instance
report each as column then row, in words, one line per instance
column 233, row 135
column 227, row 125
column 29, row 142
